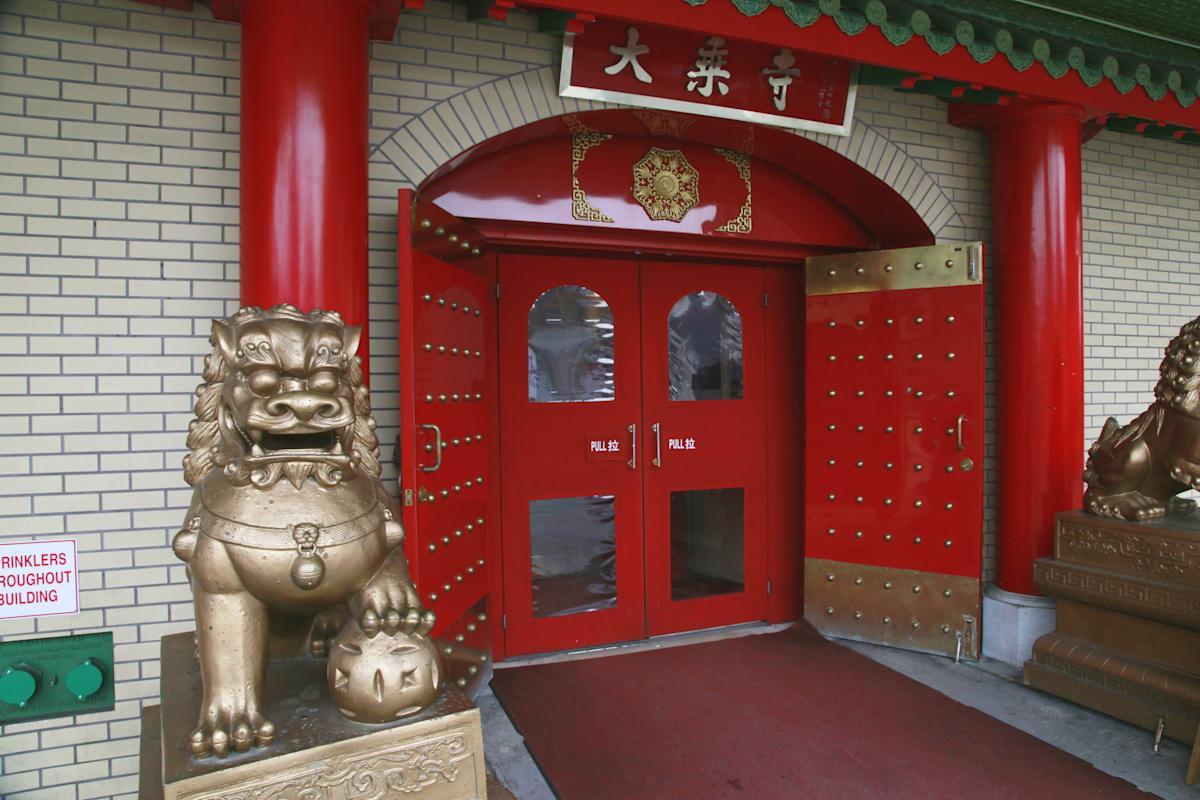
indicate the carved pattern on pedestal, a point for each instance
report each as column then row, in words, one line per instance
column 1166, row 558
column 743, row 222
column 1131, row 595
column 583, row 139
column 1118, row 681
column 371, row 775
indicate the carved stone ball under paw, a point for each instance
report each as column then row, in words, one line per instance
column 384, row 677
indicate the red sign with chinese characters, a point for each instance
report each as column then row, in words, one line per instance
column 655, row 67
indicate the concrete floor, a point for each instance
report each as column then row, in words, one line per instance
column 994, row 688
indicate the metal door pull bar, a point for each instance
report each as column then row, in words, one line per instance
column 437, row 446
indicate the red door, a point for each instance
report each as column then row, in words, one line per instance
column 572, row 451
column 895, row 411
column 444, row 307
column 704, row 404
column 632, row 400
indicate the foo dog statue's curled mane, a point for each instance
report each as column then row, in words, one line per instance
column 1135, row 472
column 307, row 566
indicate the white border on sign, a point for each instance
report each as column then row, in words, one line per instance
column 75, row 555
column 567, row 89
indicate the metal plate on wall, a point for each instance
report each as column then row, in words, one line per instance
column 956, row 264
column 915, row 610
column 56, row 676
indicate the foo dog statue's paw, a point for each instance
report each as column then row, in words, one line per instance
column 1186, row 472
column 389, row 602
column 1133, row 506
column 229, row 722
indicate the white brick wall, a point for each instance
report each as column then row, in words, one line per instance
column 118, row 244
column 119, row 228
column 1141, row 266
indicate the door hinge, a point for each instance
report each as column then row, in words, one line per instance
column 766, row 299
column 408, row 497
column 497, row 290
column 504, row 621
column 769, row 587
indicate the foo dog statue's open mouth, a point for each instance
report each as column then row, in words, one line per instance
column 266, row 445
column 274, row 439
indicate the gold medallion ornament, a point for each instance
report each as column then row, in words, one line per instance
column 665, row 184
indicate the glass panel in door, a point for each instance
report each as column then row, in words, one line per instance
column 570, row 347
column 572, row 554
column 704, row 406
column 707, row 542
column 704, row 348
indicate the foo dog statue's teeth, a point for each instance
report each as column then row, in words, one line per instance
column 294, row 531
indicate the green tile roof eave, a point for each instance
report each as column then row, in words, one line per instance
column 945, row 26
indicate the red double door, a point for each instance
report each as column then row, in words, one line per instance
column 632, row 408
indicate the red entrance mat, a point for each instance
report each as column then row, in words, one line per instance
column 783, row 715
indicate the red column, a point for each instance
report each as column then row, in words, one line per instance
column 304, row 155
column 1037, row 238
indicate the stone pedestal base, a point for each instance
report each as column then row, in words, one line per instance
column 1013, row 622
column 434, row 755
column 1127, row 640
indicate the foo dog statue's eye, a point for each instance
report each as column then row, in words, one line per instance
column 323, row 382
column 264, row 381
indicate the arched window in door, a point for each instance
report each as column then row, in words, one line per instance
column 704, row 348
column 570, row 347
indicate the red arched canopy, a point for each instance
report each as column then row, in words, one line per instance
column 758, row 191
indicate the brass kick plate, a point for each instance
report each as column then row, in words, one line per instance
column 914, row 610
column 940, row 265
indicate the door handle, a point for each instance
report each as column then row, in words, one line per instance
column 657, row 460
column 632, row 462
column 959, row 430
column 437, row 446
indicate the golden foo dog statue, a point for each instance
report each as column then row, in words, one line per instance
column 293, row 544
column 1134, row 472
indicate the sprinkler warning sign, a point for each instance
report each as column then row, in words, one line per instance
column 38, row 578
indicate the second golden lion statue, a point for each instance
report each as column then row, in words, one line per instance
column 1134, row 472
column 293, row 544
